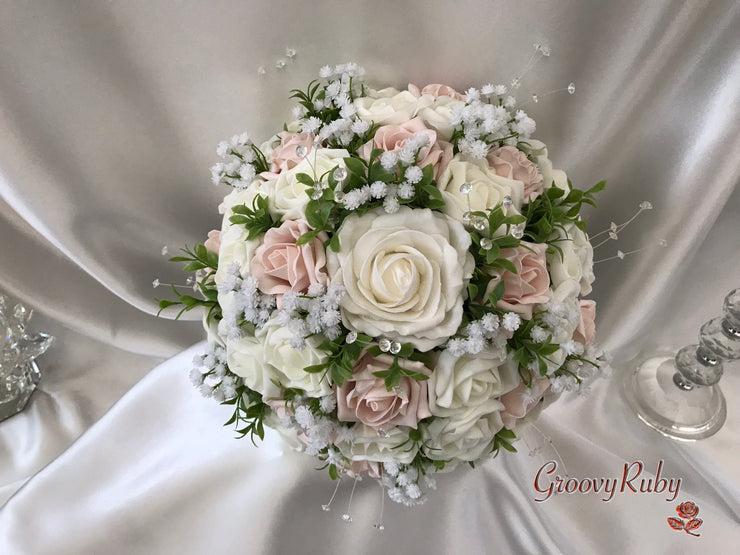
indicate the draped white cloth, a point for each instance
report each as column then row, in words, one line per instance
column 109, row 114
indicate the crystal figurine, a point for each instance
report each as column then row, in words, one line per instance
column 19, row 374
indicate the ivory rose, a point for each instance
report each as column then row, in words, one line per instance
column 268, row 363
column 537, row 152
column 284, row 156
column 512, row 163
column 488, row 189
column 365, row 398
column 530, row 285
column 393, row 137
column 404, row 274
column 367, row 445
column 575, row 259
column 279, row 265
column 515, row 403
column 466, row 436
column 586, row 329
column 458, row 385
column 388, row 106
column 288, row 196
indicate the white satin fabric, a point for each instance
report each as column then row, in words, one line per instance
column 109, row 115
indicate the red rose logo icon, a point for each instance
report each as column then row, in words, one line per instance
column 689, row 510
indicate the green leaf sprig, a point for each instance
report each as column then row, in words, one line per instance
column 554, row 209
column 339, row 365
column 395, row 371
column 249, row 413
column 256, row 219
column 197, row 259
column 503, row 440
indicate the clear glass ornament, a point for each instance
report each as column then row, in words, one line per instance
column 679, row 395
column 19, row 374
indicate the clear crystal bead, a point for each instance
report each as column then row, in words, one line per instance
column 466, row 187
column 467, row 217
column 395, row 348
column 326, row 508
column 613, row 235
column 646, row 205
column 155, row 283
column 165, row 250
column 613, row 227
column 351, row 337
column 383, row 433
column 339, row 196
column 507, row 201
column 189, row 280
column 479, row 224
column 732, row 307
column 290, row 52
column 317, row 193
column 384, row 345
column 698, row 365
column 662, row 242
column 379, row 527
column 535, row 98
column 517, row 232
column 346, row 518
column 721, row 337
column 261, row 70
column 486, row 243
column 301, row 151
column 545, row 50
column 280, row 64
column 515, row 83
column 620, row 255
column 571, row 88
column 340, row 174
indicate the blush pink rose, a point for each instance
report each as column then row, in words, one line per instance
column 512, row 163
column 586, row 329
column 436, row 90
column 213, row 243
column 517, row 404
column 372, row 468
column 284, row 156
column 280, row 266
column 393, row 137
column 530, row 285
column 364, row 398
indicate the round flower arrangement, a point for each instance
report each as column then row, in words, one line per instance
column 397, row 282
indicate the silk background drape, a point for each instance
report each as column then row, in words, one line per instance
column 109, row 116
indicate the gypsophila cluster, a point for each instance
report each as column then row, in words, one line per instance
column 238, row 170
column 211, row 376
column 487, row 119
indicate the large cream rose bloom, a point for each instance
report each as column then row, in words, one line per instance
column 576, row 261
column 268, row 359
column 460, row 385
column 404, row 275
column 389, row 106
column 537, row 152
column 467, row 436
column 488, row 189
column 367, row 445
column 288, row 196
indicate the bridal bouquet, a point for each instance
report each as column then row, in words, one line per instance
column 398, row 280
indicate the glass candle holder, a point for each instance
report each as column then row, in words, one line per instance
column 19, row 374
column 679, row 395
